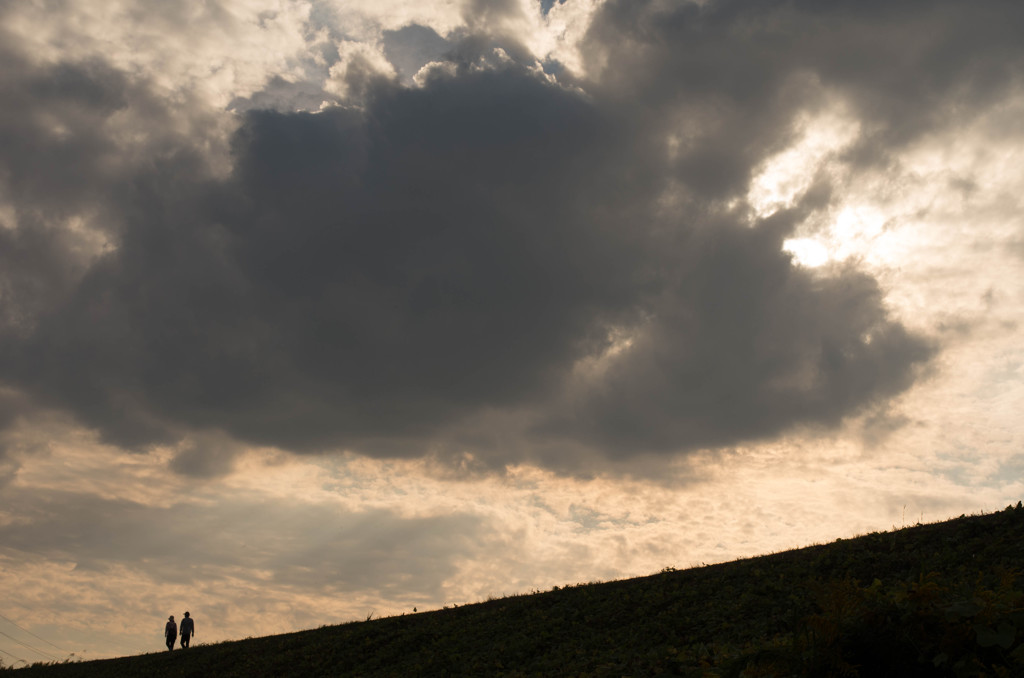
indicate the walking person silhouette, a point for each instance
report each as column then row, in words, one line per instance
column 188, row 629
column 170, row 632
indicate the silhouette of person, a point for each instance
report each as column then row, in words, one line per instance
column 188, row 629
column 170, row 632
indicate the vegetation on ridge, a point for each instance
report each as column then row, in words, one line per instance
column 932, row 600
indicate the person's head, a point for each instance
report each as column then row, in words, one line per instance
column 171, row 618
column 186, row 614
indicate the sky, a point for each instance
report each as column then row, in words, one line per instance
column 317, row 310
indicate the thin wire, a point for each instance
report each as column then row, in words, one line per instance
column 34, row 649
column 11, row 621
column 16, row 657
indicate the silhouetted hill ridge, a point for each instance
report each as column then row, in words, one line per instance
column 930, row 600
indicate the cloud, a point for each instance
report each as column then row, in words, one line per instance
column 342, row 285
column 309, row 548
column 206, row 456
column 906, row 68
column 577, row 263
column 215, row 52
column 742, row 348
column 412, row 47
column 8, row 467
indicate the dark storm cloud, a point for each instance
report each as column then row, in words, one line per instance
column 52, row 127
column 905, row 67
column 52, row 148
column 382, row 277
column 66, row 171
column 359, row 280
column 739, row 347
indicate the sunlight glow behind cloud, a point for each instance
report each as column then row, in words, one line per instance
column 786, row 176
column 807, row 252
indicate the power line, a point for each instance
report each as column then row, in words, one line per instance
column 34, row 649
column 11, row 621
column 18, row 658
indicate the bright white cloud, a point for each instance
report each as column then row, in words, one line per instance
column 218, row 50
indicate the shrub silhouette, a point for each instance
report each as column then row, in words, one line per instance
column 926, row 628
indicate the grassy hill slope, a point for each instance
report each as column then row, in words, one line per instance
column 930, row 600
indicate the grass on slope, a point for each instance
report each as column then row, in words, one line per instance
column 931, row 600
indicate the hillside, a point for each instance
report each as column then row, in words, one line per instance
column 931, row 600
